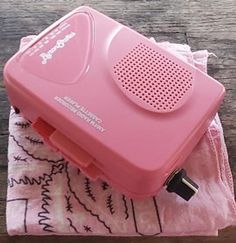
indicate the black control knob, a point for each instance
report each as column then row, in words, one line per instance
column 182, row 185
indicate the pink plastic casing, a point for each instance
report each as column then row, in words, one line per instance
column 93, row 88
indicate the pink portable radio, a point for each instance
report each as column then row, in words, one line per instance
column 119, row 106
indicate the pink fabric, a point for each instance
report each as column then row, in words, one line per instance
column 48, row 195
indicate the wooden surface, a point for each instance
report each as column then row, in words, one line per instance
column 202, row 24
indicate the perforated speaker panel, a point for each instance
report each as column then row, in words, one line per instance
column 153, row 80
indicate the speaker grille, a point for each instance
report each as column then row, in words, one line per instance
column 155, row 80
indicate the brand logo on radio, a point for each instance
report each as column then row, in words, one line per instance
column 59, row 44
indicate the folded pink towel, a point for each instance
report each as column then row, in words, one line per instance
column 48, row 195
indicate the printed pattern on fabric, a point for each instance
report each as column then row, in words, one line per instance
column 48, row 195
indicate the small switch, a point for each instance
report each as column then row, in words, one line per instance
column 17, row 110
column 182, row 185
